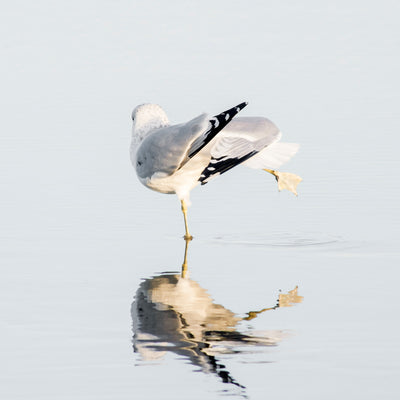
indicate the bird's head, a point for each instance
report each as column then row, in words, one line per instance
column 146, row 118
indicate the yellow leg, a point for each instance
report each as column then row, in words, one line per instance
column 271, row 171
column 184, row 210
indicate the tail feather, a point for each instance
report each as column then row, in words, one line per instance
column 273, row 156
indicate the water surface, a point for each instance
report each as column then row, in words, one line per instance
column 93, row 303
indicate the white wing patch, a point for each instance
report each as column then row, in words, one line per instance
column 234, row 147
column 273, row 156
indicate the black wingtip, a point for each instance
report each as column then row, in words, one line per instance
column 233, row 111
column 217, row 123
column 240, row 106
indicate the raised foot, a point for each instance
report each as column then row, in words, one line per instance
column 286, row 180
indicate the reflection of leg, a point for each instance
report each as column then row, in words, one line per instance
column 254, row 314
column 184, row 210
column 184, row 265
column 284, row 300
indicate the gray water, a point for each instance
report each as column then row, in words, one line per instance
column 93, row 304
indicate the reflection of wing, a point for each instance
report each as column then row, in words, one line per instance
column 175, row 309
column 176, row 314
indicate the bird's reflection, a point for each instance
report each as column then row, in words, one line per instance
column 173, row 313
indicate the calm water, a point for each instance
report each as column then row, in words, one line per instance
column 281, row 296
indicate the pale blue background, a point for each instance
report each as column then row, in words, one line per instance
column 79, row 231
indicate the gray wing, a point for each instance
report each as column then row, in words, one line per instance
column 164, row 150
column 169, row 149
column 242, row 139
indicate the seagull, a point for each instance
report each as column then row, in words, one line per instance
column 174, row 159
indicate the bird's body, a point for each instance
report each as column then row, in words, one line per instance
column 177, row 158
column 160, row 160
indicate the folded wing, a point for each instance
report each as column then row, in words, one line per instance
column 179, row 143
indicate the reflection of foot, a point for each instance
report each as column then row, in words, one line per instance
column 284, row 300
column 287, row 300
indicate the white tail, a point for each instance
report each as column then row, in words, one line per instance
column 273, row 156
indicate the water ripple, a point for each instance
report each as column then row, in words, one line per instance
column 281, row 239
